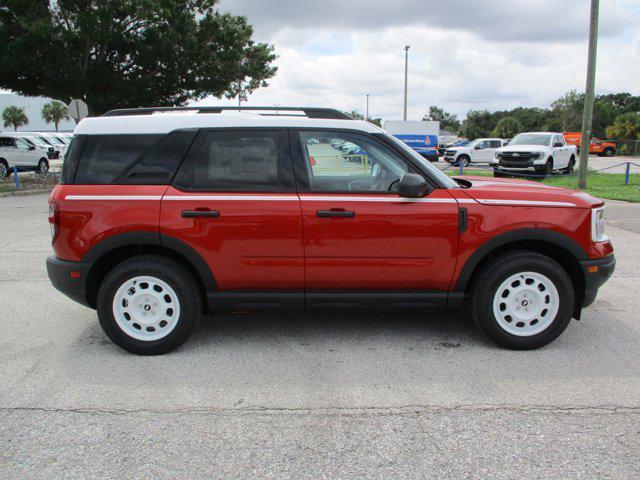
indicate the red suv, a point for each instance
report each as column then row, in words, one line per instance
column 163, row 215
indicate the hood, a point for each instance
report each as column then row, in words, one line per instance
column 522, row 148
column 506, row 191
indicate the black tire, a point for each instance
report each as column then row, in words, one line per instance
column 498, row 174
column 547, row 169
column 43, row 166
column 609, row 152
column 168, row 271
column 570, row 167
column 463, row 160
column 490, row 278
column 4, row 168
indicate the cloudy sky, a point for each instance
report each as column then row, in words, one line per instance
column 492, row 54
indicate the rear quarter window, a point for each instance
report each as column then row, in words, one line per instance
column 130, row 159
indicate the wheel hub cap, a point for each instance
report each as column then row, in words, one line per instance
column 526, row 303
column 146, row 308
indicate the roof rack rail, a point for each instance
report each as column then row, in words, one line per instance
column 310, row 112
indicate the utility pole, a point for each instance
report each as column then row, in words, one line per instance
column 367, row 116
column 406, row 73
column 589, row 96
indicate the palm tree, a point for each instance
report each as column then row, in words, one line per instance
column 55, row 112
column 13, row 115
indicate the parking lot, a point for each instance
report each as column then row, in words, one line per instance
column 313, row 395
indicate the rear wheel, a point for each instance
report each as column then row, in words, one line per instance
column 148, row 305
column 609, row 152
column 570, row 167
column 522, row 300
column 4, row 168
column 43, row 166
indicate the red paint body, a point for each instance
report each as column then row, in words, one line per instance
column 276, row 241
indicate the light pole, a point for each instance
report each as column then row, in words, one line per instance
column 367, row 116
column 589, row 94
column 406, row 73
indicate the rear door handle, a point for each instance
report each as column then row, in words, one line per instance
column 335, row 213
column 200, row 213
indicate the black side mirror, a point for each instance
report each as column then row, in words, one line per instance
column 32, row 147
column 557, row 144
column 478, row 147
column 412, row 185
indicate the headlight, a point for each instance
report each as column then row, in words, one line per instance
column 497, row 155
column 597, row 225
column 537, row 155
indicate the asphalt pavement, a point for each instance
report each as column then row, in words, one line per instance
column 324, row 395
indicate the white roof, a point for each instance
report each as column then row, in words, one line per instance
column 168, row 121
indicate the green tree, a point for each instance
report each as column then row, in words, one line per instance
column 507, row 127
column 625, row 127
column 448, row 121
column 129, row 53
column 479, row 123
column 54, row 112
column 14, row 116
column 568, row 109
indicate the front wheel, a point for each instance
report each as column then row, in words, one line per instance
column 522, row 300
column 609, row 152
column 463, row 161
column 148, row 305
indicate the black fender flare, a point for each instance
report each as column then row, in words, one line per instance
column 523, row 234
column 127, row 239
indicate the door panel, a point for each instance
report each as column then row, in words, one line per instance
column 254, row 241
column 251, row 241
column 389, row 242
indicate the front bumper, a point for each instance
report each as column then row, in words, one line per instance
column 73, row 285
column 596, row 272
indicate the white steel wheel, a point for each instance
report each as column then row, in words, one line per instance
column 146, row 308
column 526, row 303
column 43, row 166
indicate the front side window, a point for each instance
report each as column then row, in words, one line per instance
column 237, row 160
column 349, row 162
column 495, row 143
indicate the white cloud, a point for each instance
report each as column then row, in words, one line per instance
column 491, row 54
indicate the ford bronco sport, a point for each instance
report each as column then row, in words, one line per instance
column 168, row 213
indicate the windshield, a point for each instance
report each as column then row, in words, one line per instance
column 531, row 139
column 425, row 164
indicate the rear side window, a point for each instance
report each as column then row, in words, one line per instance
column 106, row 157
column 131, row 159
column 238, row 160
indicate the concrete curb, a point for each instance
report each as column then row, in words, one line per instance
column 24, row 193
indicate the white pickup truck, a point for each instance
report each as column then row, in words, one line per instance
column 480, row 150
column 540, row 153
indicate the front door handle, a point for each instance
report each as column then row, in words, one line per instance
column 335, row 213
column 200, row 213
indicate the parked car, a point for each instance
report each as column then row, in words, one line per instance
column 481, row 150
column 38, row 143
column 539, row 153
column 160, row 218
column 16, row 151
column 602, row 148
column 53, row 140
